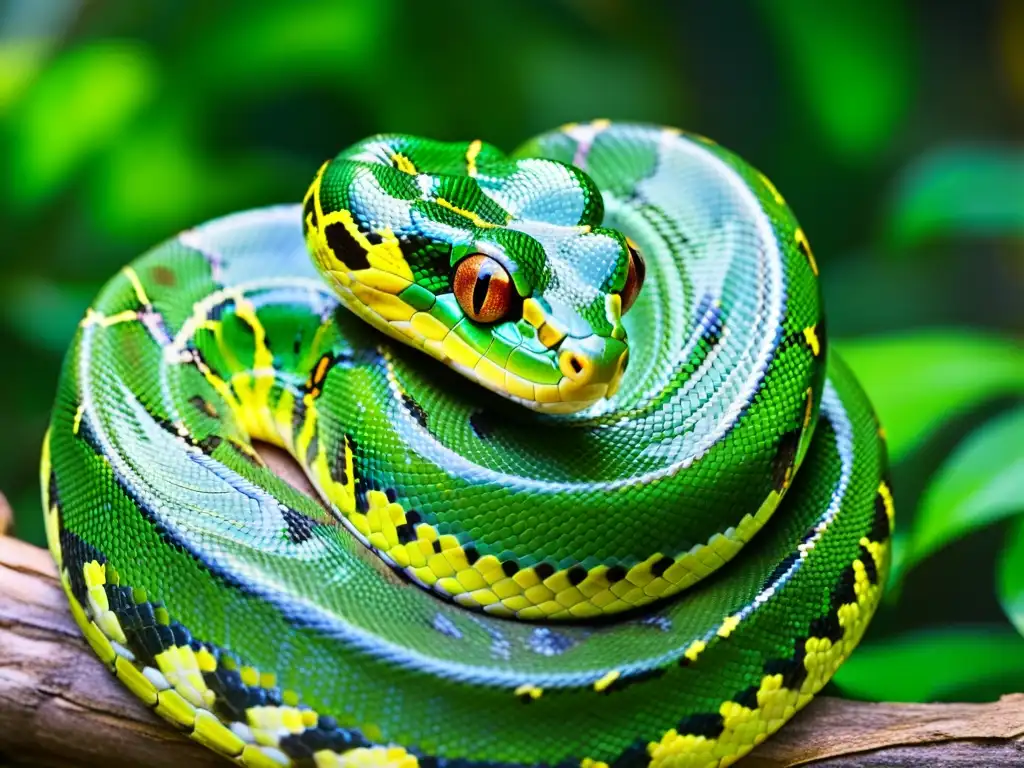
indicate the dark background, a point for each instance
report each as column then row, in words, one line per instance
column 893, row 128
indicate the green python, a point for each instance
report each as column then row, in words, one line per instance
column 633, row 370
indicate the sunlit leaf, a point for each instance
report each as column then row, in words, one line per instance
column 959, row 191
column 977, row 664
column 80, row 103
column 1010, row 577
column 917, row 380
column 982, row 481
column 852, row 64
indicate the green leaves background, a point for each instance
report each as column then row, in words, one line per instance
column 892, row 128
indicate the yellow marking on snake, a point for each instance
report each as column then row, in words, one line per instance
column 404, row 164
column 890, row 509
column 140, row 291
column 801, row 239
column 92, row 317
column 772, row 190
column 811, row 337
column 528, row 691
column 471, row 154
column 775, row 702
column 475, row 218
column 386, row 255
column 606, row 680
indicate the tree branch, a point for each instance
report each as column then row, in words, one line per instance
column 60, row 706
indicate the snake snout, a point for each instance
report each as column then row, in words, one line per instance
column 592, row 367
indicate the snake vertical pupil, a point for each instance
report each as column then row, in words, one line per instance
column 483, row 288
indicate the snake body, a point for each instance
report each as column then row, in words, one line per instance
column 635, row 369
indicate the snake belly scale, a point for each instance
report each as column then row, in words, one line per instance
column 593, row 490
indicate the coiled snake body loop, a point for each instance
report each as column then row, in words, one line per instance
column 636, row 515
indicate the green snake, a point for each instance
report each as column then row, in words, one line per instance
column 633, row 368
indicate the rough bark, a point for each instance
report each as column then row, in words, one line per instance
column 60, row 706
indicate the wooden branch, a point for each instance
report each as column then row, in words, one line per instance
column 60, row 706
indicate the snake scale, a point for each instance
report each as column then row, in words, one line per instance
column 634, row 369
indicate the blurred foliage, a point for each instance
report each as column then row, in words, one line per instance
column 892, row 127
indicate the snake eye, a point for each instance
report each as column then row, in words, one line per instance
column 483, row 288
column 634, row 278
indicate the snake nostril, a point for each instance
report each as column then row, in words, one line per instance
column 574, row 365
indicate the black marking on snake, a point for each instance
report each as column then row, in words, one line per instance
column 634, row 756
column 785, row 458
column 210, row 443
column 53, row 494
column 782, row 568
column 217, row 311
column 75, row 553
column 345, row 247
column 510, row 567
column 302, row 746
column 880, row 529
column 792, row 670
column 147, row 637
column 339, row 468
column 707, row 724
column 577, row 575
column 406, row 532
column 615, row 573
column 471, row 553
column 747, row 697
column 661, row 565
column 299, row 527
column 844, row 592
column 415, row 409
column 802, row 245
column 312, row 450
column 89, row 437
column 309, row 217
column 543, row 570
column 481, row 424
column 870, row 566
column 298, row 416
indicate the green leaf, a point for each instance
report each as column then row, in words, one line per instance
column 976, row 664
column 1010, row 577
column 981, row 482
column 80, row 103
column 917, row 380
column 20, row 61
column 851, row 61
column 961, row 190
column 44, row 313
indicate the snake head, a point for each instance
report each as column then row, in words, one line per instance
column 497, row 267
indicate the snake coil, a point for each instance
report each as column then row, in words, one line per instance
column 521, row 556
